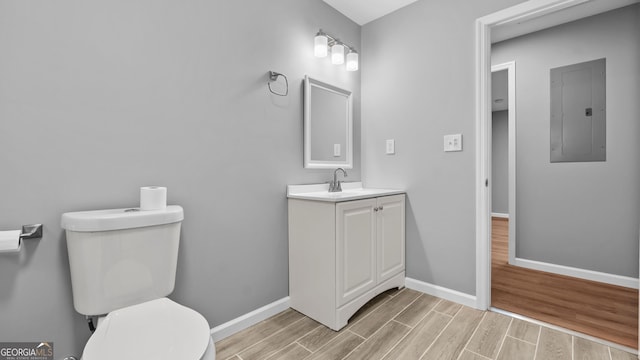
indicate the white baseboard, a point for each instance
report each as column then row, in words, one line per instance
column 442, row 292
column 499, row 215
column 240, row 323
column 619, row 280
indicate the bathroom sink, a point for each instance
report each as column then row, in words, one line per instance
column 350, row 191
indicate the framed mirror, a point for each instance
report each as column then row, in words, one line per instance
column 328, row 126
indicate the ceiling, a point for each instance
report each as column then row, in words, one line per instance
column 363, row 11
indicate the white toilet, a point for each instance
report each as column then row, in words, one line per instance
column 123, row 264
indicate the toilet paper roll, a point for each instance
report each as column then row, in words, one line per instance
column 10, row 241
column 153, row 198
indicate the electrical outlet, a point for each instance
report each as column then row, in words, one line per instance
column 453, row 142
column 336, row 150
column 391, row 147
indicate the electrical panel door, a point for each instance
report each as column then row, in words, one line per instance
column 578, row 112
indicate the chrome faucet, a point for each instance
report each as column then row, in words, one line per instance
column 335, row 186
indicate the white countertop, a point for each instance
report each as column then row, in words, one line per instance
column 350, row 191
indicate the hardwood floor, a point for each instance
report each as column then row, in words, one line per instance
column 409, row 325
column 605, row 311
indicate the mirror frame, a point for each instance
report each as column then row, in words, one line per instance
column 327, row 164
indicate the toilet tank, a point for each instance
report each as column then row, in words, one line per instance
column 121, row 257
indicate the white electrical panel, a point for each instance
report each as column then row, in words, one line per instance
column 453, row 142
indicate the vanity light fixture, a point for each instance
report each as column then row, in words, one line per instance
column 352, row 60
column 337, row 54
column 323, row 41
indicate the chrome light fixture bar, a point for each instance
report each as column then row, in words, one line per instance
column 323, row 42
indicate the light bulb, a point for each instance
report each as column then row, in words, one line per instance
column 320, row 45
column 337, row 54
column 352, row 61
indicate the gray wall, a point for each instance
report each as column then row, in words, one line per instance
column 583, row 215
column 500, row 162
column 100, row 98
column 417, row 86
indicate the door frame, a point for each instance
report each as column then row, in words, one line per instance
column 510, row 67
column 521, row 12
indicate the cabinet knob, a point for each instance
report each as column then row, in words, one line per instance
column 380, row 208
column 375, row 209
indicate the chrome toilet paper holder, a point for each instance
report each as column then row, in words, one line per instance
column 33, row 231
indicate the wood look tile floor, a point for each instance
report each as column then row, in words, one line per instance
column 406, row 324
column 604, row 311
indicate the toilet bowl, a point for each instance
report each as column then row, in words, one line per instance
column 159, row 329
column 123, row 263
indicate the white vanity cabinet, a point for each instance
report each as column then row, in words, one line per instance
column 342, row 253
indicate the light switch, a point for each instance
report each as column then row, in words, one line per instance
column 391, row 147
column 336, row 150
column 453, row 142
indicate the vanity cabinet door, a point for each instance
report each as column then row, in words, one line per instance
column 390, row 236
column 355, row 249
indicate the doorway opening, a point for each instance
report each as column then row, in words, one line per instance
column 516, row 16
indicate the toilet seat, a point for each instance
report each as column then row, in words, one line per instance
column 158, row 329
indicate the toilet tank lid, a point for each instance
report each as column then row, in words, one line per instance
column 118, row 219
